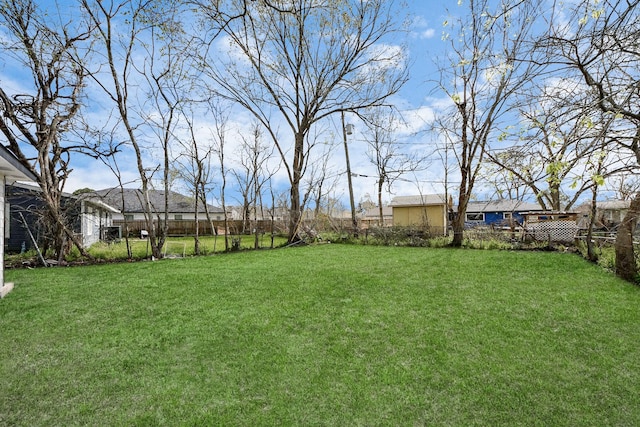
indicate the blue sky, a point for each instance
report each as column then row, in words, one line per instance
column 416, row 100
column 419, row 100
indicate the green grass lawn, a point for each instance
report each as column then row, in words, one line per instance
column 323, row 335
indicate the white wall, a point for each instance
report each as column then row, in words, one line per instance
column 93, row 218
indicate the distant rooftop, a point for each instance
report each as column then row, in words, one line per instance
column 419, row 200
column 502, row 206
column 133, row 201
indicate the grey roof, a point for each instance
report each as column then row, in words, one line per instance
column 89, row 198
column 614, row 205
column 502, row 206
column 11, row 167
column 420, row 200
column 133, row 201
column 375, row 212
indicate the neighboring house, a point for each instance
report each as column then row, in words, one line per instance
column 181, row 218
column 97, row 220
column 498, row 212
column 429, row 211
column 371, row 217
column 89, row 217
column 10, row 171
column 612, row 212
column 609, row 213
column 180, row 207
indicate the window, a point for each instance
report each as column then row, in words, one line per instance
column 177, row 217
column 128, row 217
column 475, row 217
column 507, row 215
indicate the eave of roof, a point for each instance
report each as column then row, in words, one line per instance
column 420, row 200
column 11, row 167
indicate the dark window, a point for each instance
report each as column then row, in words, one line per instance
column 475, row 217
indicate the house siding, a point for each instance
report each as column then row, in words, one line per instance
column 26, row 202
column 94, row 220
column 493, row 212
column 491, row 218
column 87, row 219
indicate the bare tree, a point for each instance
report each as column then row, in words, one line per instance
column 600, row 42
column 218, row 144
column 322, row 181
column 37, row 119
column 193, row 165
column 497, row 175
column 146, row 93
column 384, row 151
column 624, row 186
column 166, row 71
column 111, row 161
column 301, row 62
column 487, row 64
column 251, row 176
column 246, row 173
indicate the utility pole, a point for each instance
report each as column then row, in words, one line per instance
column 348, row 130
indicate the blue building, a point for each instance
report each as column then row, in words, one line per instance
column 498, row 212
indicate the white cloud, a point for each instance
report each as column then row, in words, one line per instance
column 428, row 33
column 416, row 120
column 96, row 175
column 421, row 28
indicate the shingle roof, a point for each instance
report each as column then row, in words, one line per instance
column 133, row 201
column 375, row 212
column 420, row 200
column 502, row 206
column 614, row 204
column 89, row 197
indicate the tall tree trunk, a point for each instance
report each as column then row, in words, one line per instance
column 458, row 229
column 554, row 190
column 196, row 237
column 591, row 253
column 626, row 267
column 380, row 210
column 63, row 233
column 458, row 221
column 295, row 211
column 224, row 209
column 294, row 214
column 203, row 194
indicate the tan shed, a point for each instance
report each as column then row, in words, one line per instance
column 426, row 211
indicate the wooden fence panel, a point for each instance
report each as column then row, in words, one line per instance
column 188, row 227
